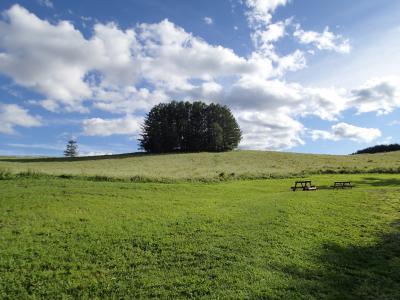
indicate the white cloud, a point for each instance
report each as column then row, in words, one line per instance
column 322, row 135
column 49, row 59
column 57, row 61
column 265, row 130
column 289, row 98
column 46, row 3
column 265, row 34
column 292, row 62
column 380, row 95
column 208, row 20
column 174, row 56
column 326, row 40
column 207, row 91
column 385, row 141
column 347, row 131
column 129, row 71
column 12, row 115
column 128, row 125
column 116, row 54
column 127, row 99
column 267, row 110
column 260, row 11
column 272, row 33
column 95, row 153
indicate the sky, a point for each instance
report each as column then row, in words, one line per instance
column 299, row 75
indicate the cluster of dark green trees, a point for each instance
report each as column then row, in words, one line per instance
column 379, row 149
column 189, row 127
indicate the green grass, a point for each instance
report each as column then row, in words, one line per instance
column 206, row 166
column 70, row 238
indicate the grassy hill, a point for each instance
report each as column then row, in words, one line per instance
column 207, row 166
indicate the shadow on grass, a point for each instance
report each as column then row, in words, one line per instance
column 354, row 272
column 380, row 182
column 69, row 159
column 324, row 187
column 88, row 158
column 82, row 158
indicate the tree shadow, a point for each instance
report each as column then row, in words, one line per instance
column 88, row 158
column 80, row 158
column 71, row 159
column 354, row 272
column 380, row 182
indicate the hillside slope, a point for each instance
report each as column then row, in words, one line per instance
column 238, row 164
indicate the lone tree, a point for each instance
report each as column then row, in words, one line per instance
column 72, row 149
column 189, row 127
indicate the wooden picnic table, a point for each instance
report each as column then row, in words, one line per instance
column 305, row 185
column 342, row 185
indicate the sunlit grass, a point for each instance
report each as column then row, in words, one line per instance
column 69, row 238
column 207, row 166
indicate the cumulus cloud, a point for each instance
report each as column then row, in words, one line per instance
column 50, row 59
column 267, row 110
column 292, row 62
column 127, row 99
column 326, row 40
column 128, row 125
column 265, row 34
column 12, row 115
column 289, row 98
column 174, row 56
column 265, row 130
column 380, row 95
column 260, row 11
column 347, row 131
column 57, row 61
column 272, row 33
column 127, row 71
column 207, row 91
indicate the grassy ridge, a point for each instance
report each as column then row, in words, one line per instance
column 243, row 239
column 206, row 166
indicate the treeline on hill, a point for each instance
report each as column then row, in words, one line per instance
column 379, row 149
column 189, row 127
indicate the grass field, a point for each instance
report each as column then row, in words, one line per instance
column 70, row 238
column 207, row 166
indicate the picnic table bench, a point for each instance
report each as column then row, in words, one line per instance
column 342, row 185
column 304, row 185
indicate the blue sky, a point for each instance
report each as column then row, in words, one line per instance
column 303, row 76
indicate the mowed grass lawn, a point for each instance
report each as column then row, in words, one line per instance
column 69, row 238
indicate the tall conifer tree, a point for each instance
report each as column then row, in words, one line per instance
column 72, row 149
